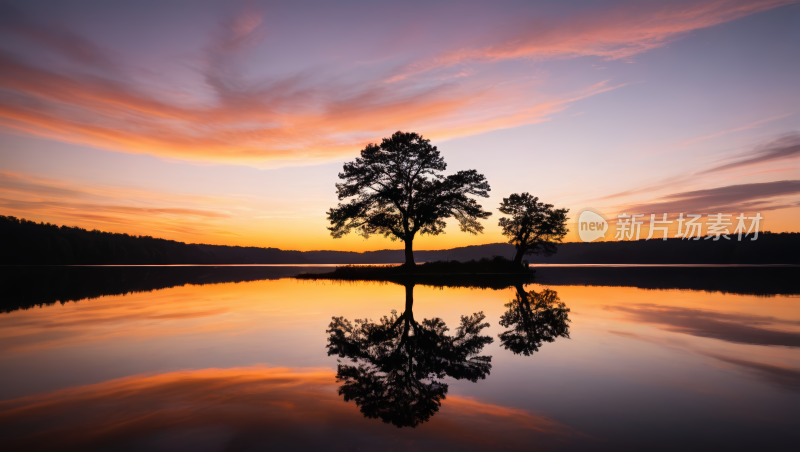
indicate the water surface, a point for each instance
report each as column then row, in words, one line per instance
column 246, row 366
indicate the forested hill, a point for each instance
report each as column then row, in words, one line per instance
column 28, row 243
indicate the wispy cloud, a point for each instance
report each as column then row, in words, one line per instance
column 72, row 90
column 114, row 208
column 752, row 125
column 741, row 197
column 615, row 33
column 732, row 198
column 784, row 148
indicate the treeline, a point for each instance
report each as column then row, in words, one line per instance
column 770, row 248
column 25, row 242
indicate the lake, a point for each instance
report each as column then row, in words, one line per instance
column 234, row 359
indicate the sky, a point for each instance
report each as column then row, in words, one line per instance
column 228, row 122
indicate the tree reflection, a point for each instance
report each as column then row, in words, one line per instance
column 533, row 318
column 399, row 362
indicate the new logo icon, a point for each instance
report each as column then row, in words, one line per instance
column 591, row 226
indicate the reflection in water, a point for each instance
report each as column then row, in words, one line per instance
column 758, row 280
column 25, row 287
column 248, row 408
column 726, row 326
column 690, row 368
column 533, row 318
column 400, row 362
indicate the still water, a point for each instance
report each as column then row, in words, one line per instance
column 285, row 364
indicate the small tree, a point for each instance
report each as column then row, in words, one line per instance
column 398, row 191
column 534, row 227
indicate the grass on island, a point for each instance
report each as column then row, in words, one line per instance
column 495, row 273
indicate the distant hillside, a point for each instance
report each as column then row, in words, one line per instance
column 28, row 243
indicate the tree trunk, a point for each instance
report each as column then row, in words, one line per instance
column 518, row 256
column 410, row 253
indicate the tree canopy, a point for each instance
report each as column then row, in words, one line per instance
column 397, row 190
column 533, row 227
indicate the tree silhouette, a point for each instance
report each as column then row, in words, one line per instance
column 534, row 227
column 398, row 191
column 399, row 362
column 533, row 318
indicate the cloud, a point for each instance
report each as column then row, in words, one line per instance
column 752, row 125
column 52, row 35
column 109, row 207
column 732, row 198
column 279, row 121
column 613, row 33
column 783, row 148
column 780, row 149
column 730, row 327
column 230, row 116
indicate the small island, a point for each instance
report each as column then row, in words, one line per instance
column 495, row 273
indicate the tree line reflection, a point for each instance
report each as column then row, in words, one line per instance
column 398, row 364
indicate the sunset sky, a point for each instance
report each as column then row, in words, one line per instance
column 227, row 122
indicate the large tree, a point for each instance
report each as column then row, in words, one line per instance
column 397, row 190
column 533, row 227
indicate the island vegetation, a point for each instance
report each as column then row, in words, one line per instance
column 495, row 273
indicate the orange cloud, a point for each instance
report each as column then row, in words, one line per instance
column 109, row 115
column 187, row 216
column 310, row 116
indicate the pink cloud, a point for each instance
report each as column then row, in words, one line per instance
column 616, row 33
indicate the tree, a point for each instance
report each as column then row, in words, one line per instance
column 398, row 191
column 534, row 227
column 533, row 318
column 400, row 362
